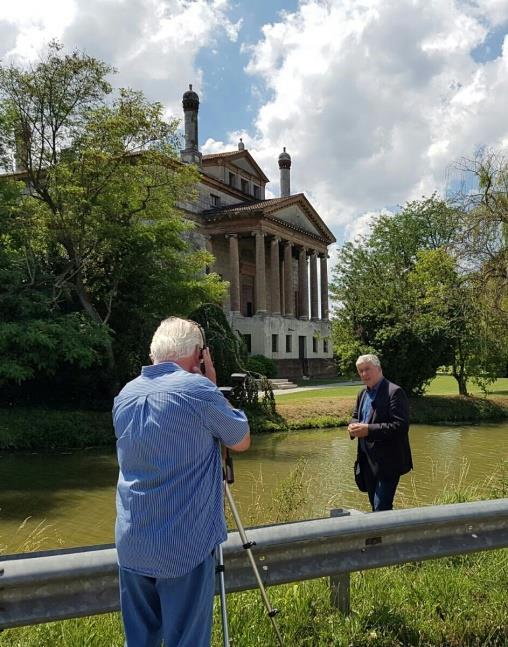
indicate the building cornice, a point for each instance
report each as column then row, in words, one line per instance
column 268, row 209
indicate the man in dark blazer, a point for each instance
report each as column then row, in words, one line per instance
column 381, row 423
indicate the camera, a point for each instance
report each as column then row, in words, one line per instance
column 234, row 393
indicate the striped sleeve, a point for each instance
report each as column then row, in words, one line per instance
column 229, row 425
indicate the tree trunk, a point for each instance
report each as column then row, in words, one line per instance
column 462, row 384
column 459, row 374
column 89, row 308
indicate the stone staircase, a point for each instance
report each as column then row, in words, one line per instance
column 282, row 384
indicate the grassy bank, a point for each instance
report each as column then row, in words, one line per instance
column 458, row 601
column 322, row 412
column 46, row 429
column 332, row 407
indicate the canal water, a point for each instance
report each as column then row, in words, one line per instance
column 68, row 499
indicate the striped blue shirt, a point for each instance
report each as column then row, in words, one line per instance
column 170, row 512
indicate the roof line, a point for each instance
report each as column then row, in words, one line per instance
column 236, row 154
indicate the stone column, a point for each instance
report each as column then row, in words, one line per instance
column 314, row 310
column 303, row 283
column 234, row 266
column 275, row 282
column 324, row 286
column 260, row 273
column 289, row 299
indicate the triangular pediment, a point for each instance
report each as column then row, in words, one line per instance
column 297, row 212
column 243, row 160
column 295, row 216
column 245, row 164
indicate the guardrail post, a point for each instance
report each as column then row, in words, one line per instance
column 340, row 584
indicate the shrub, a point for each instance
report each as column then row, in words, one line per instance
column 261, row 364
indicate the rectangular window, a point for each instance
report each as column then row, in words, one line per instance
column 275, row 343
column 232, row 179
column 247, row 340
column 256, row 191
column 214, row 200
column 245, row 186
column 289, row 343
column 314, row 345
column 325, row 345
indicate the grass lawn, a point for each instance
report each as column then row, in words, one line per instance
column 447, row 385
column 441, row 385
column 332, row 407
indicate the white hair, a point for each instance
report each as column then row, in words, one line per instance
column 368, row 359
column 175, row 339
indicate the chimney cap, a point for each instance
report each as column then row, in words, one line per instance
column 284, row 155
column 284, row 159
column 190, row 98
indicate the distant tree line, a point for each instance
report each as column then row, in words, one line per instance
column 427, row 287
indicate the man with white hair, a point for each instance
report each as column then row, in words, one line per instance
column 381, row 423
column 169, row 423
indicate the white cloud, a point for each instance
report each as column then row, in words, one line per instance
column 153, row 44
column 361, row 226
column 375, row 99
column 32, row 24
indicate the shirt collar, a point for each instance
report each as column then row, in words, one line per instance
column 372, row 392
column 153, row 370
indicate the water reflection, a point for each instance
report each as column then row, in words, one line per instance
column 72, row 495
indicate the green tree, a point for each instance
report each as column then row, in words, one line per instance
column 477, row 337
column 102, row 188
column 379, row 310
column 35, row 337
column 409, row 292
column 484, row 245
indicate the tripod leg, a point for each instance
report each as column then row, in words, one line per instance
column 222, row 586
column 246, row 544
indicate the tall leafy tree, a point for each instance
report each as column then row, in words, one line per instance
column 379, row 306
column 35, row 337
column 443, row 292
column 102, row 185
column 484, row 244
column 414, row 292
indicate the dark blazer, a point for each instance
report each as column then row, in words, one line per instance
column 387, row 445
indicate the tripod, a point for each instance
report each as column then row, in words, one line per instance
column 247, row 545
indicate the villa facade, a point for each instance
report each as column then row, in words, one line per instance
column 273, row 253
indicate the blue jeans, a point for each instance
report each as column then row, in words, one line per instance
column 177, row 609
column 381, row 493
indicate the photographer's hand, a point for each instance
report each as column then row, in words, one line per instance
column 209, row 367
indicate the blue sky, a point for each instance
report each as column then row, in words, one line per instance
column 230, row 102
column 375, row 100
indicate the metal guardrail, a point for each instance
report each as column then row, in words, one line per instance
column 62, row 584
